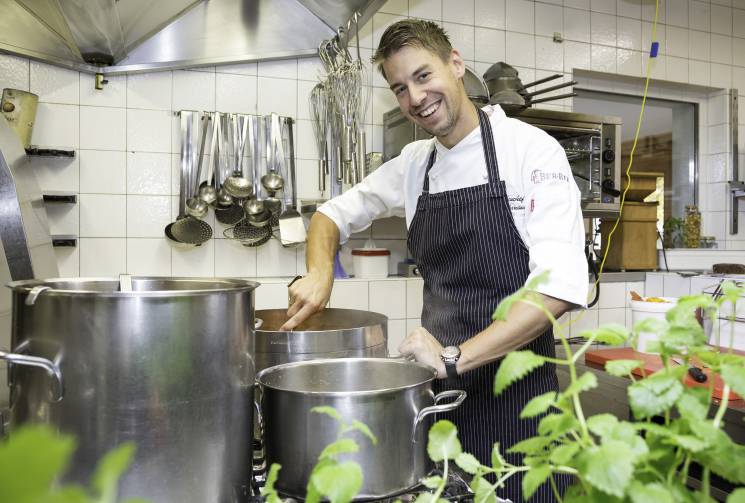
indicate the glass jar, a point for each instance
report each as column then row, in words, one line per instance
column 692, row 227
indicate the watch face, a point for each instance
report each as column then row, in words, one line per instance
column 450, row 352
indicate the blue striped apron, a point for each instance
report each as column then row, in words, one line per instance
column 471, row 256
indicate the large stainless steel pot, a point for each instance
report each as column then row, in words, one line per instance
column 331, row 333
column 167, row 366
column 393, row 397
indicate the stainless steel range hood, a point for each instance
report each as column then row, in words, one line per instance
column 128, row 36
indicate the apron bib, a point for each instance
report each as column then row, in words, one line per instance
column 471, row 256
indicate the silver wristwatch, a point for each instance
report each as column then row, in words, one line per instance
column 450, row 356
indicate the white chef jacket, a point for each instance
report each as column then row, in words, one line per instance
column 543, row 196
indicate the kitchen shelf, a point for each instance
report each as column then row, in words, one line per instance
column 60, row 197
column 737, row 192
column 64, row 241
column 49, row 152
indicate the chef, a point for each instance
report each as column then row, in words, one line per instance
column 489, row 202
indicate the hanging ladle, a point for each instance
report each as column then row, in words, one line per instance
column 237, row 185
column 272, row 181
column 207, row 191
column 195, row 206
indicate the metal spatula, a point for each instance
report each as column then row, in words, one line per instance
column 291, row 226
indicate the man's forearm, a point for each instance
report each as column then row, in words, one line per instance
column 323, row 241
column 524, row 323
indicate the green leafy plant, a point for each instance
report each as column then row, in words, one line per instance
column 34, row 457
column 338, row 481
column 673, row 232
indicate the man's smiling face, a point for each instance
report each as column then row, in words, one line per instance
column 428, row 89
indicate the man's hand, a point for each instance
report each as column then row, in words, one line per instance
column 307, row 296
column 424, row 347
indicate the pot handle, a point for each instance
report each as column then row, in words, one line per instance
column 34, row 294
column 459, row 395
column 52, row 369
column 258, row 323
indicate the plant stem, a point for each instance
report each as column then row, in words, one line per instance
column 684, row 471
column 554, row 488
column 441, row 487
column 705, row 483
column 722, row 406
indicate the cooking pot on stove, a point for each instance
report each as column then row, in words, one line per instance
column 167, row 365
column 393, row 397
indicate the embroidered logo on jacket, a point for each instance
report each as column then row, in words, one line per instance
column 538, row 176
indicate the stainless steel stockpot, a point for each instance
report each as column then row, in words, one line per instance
column 393, row 397
column 167, row 365
column 331, row 333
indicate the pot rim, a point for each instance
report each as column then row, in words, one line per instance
column 231, row 285
column 392, row 361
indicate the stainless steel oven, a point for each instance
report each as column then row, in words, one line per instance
column 591, row 142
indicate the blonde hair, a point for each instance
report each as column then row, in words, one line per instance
column 412, row 33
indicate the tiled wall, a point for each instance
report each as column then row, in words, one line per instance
column 127, row 141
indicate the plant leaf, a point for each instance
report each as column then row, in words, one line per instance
column 497, row 462
column 693, row 403
column 425, row 497
column 432, row 482
column 109, row 469
column 608, row 467
column 602, row 425
column 531, row 445
column 557, row 425
column 443, row 441
column 268, row 491
column 329, row 411
column 503, row 309
column 687, row 442
column 30, row 460
column 586, row 381
column 622, row 368
column 362, row 427
column 341, row 446
column 653, row 395
column 612, row 334
column 515, row 366
column 563, row 454
column 538, row 405
column 483, row 491
column 737, row 496
column 731, row 291
column 534, row 478
column 340, row 482
column 468, row 463
column 735, row 377
column 649, row 493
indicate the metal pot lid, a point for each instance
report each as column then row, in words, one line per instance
column 331, row 330
column 346, row 376
column 142, row 286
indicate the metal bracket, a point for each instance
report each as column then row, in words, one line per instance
column 737, row 191
column 736, row 187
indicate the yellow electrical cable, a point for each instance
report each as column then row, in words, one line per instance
column 628, row 168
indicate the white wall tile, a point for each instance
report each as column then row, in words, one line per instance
column 463, row 39
column 635, row 286
column 616, row 316
column 677, row 13
column 677, row 69
column 310, row 69
column 721, row 75
column 147, row 216
column 676, row 286
column 548, row 19
column 272, row 260
column 603, row 29
column 53, row 84
column 654, row 285
column 491, row 13
column 584, row 320
column 612, row 295
column 150, row 90
column 113, row 94
column 193, row 90
column 629, row 63
column 738, row 51
column 283, row 68
column 629, row 33
column 380, row 22
column 239, row 68
column 520, row 16
column 56, row 173
column 194, row 262
column 677, row 42
column 63, row 218
column 102, row 257
column 232, row 259
column 699, row 15
column 721, row 49
column 68, row 261
column 56, row 126
column 650, row 9
column 277, row 95
column 102, row 128
column 414, row 300
column 396, row 334
column 103, row 215
column 457, row 12
column 490, row 45
column 603, row 58
column 700, row 45
column 520, row 49
column 389, row 298
column 271, row 296
column 576, row 25
column 150, row 130
column 350, row 294
column 738, row 23
column 148, row 173
column 578, row 4
column 605, row 6
column 629, row 9
column 14, row 72
column 236, row 93
column 103, row 172
column 148, row 257
column 721, row 19
column 549, row 55
column 577, row 55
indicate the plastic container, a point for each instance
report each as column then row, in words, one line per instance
column 641, row 310
column 370, row 263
